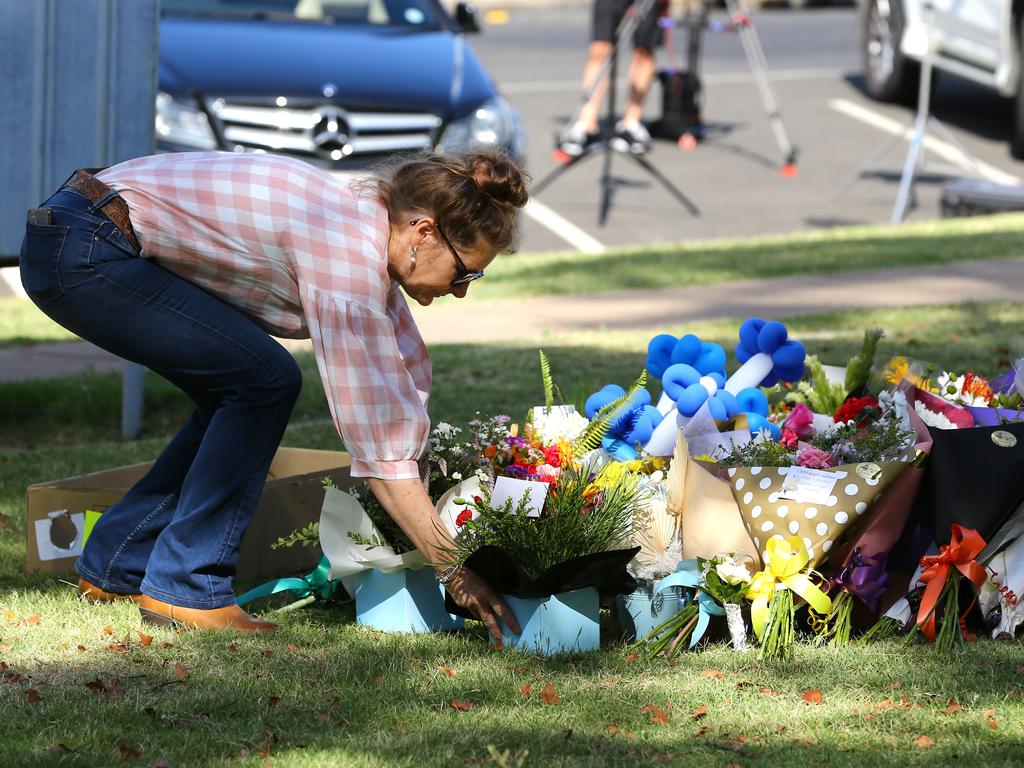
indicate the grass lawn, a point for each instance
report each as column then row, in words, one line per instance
column 81, row 686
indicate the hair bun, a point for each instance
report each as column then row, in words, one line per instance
column 498, row 177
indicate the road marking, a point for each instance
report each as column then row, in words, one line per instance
column 11, row 277
column 939, row 147
column 716, row 78
column 562, row 227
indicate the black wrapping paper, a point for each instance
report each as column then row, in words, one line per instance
column 605, row 571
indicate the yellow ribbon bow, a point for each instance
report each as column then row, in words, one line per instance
column 784, row 569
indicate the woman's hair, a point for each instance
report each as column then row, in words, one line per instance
column 470, row 196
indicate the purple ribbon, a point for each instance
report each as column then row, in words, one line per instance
column 864, row 578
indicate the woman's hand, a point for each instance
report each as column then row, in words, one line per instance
column 472, row 593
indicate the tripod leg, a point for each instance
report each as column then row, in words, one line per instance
column 869, row 164
column 672, row 188
column 759, row 67
column 541, row 185
column 944, row 132
column 909, row 171
column 607, row 187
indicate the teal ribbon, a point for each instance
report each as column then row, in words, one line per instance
column 688, row 575
column 316, row 583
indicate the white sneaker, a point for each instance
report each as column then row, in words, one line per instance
column 575, row 140
column 631, row 137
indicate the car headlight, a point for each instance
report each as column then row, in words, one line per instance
column 495, row 124
column 182, row 122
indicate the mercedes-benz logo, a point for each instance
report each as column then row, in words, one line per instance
column 332, row 135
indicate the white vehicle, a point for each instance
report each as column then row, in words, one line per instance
column 979, row 40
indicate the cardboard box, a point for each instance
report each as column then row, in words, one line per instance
column 404, row 601
column 563, row 623
column 57, row 524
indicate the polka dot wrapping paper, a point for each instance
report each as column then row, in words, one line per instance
column 768, row 514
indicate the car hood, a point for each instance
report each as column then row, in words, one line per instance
column 369, row 68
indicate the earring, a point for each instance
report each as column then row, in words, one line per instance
column 412, row 254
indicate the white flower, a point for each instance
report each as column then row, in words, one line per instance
column 555, row 427
column 731, row 571
column 931, row 418
column 456, row 476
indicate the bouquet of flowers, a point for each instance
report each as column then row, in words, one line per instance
column 862, row 578
column 727, row 580
column 799, row 498
column 576, row 537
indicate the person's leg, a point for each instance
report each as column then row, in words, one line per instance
column 583, row 132
column 641, row 73
column 245, row 383
column 590, row 112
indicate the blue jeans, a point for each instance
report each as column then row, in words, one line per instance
column 175, row 536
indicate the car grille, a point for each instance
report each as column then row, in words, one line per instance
column 325, row 131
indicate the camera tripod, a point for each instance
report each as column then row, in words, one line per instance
column 916, row 129
column 688, row 130
column 604, row 146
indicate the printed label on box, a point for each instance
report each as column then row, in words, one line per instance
column 59, row 535
column 509, row 488
column 808, row 486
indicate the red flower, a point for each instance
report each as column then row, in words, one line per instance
column 789, row 438
column 849, row 410
column 553, row 456
column 464, row 517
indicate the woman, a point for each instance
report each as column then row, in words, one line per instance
column 186, row 263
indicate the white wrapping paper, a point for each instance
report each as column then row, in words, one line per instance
column 343, row 514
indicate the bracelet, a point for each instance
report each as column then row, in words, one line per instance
column 445, row 575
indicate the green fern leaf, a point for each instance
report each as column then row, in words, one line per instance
column 598, row 427
column 549, row 385
column 859, row 369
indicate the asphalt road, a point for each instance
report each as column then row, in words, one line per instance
column 814, row 62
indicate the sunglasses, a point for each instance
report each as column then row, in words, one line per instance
column 463, row 274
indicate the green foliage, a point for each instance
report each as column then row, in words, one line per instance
column 758, row 453
column 820, row 394
column 858, row 370
column 595, row 431
column 307, row 537
column 881, row 440
column 545, row 375
column 577, row 520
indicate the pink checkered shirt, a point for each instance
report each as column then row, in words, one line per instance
column 303, row 255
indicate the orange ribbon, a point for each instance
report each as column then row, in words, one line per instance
column 965, row 544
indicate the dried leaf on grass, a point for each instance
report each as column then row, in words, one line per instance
column 127, row 753
column 714, row 674
column 144, row 639
column 812, row 697
column 33, row 696
column 699, row 712
column 447, row 671
column 180, row 673
column 32, row 620
column 459, row 704
column 923, row 742
column 549, row 695
column 658, row 715
column 526, row 690
column 952, row 707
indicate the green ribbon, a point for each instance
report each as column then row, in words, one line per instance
column 316, row 583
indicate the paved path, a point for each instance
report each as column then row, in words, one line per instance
column 531, row 319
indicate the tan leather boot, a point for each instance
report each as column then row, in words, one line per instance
column 229, row 617
column 89, row 591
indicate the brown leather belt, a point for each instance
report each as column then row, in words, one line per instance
column 116, row 209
